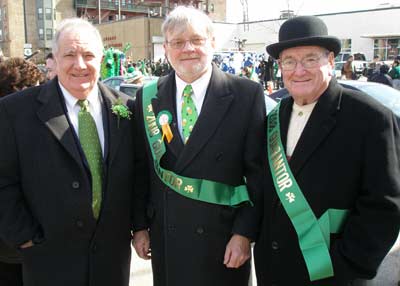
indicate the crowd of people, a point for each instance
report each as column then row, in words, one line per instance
column 192, row 171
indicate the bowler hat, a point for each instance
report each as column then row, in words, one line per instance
column 304, row 31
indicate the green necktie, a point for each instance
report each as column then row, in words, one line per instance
column 189, row 112
column 90, row 144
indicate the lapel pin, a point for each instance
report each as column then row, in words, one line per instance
column 164, row 118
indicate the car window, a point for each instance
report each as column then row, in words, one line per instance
column 129, row 90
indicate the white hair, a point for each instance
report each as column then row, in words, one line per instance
column 76, row 25
column 183, row 17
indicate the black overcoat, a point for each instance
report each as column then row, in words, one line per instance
column 188, row 237
column 346, row 158
column 45, row 191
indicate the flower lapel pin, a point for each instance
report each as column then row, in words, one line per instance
column 121, row 110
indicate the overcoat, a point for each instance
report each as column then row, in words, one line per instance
column 346, row 158
column 45, row 191
column 188, row 237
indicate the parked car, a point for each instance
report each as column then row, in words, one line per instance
column 386, row 95
column 119, row 83
column 338, row 69
column 269, row 103
column 360, row 62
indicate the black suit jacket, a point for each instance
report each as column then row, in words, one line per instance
column 188, row 237
column 45, row 191
column 346, row 158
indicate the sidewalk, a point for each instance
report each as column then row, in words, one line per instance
column 141, row 274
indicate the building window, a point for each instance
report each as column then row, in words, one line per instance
column 41, row 35
column 387, row 49
column 1, row 35
column 40, row 13
column 49, row 34
column 346, row 45
column 54, row 13
column 48, row 14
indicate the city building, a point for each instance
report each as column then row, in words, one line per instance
column 27, row 26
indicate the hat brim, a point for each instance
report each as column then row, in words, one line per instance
column 329, row 42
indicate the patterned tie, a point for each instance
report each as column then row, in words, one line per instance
column 90, row 144
column 189, row 112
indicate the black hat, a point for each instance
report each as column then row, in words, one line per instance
column 304, row 31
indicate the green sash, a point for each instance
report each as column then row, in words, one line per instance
column 313, row 233
column 196, row 189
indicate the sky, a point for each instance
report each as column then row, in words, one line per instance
column 270, row 9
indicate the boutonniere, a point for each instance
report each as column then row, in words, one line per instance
column 121, row 110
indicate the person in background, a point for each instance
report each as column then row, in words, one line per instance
column 50, row 67
column 332, row 193
column 394, row 73
column 15, row 74
column 348, row 69
column 204, row 190
column 382, row 76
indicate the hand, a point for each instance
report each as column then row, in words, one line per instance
column 26, row 244
column 141, row 243
column 237, row 251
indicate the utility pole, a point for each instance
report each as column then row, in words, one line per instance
column 119, row 10
column 245, row 8
column 99, row 5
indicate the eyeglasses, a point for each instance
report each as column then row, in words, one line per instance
column 307, row 63
column 180, row 44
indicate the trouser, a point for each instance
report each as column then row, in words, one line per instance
column 10, row 274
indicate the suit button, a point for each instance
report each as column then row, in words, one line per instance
column 218, row 157
column 79, row 223
column 75, row 185
column 200, row 230
column 171, row 228
column 275, row 245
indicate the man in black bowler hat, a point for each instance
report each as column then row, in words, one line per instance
column 331, row 209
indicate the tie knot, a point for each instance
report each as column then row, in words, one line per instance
column 187, row 91
column 84, row 104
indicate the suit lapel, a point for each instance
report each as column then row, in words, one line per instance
column 216, row 104
column 318, row 127
column 115, row 128
column 52, row 113
column 165, row 101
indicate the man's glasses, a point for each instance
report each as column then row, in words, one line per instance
column 307, row 63
column 180, row 44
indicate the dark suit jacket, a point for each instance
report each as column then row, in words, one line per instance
column 188, row 237
column 346, row 158
column 45, row 191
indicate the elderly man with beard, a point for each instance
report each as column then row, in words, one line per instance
column 203, row 131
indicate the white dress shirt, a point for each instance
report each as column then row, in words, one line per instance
column 199, row 87
column 298, row 120
column 95, row 110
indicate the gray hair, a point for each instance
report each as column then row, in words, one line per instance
column 183, row 17
column 75, row 25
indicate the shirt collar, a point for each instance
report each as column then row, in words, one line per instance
column 71, row 101
column 199, row 86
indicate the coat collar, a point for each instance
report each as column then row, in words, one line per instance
column 216, row 103
column 52, row 113
column 318, row 127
